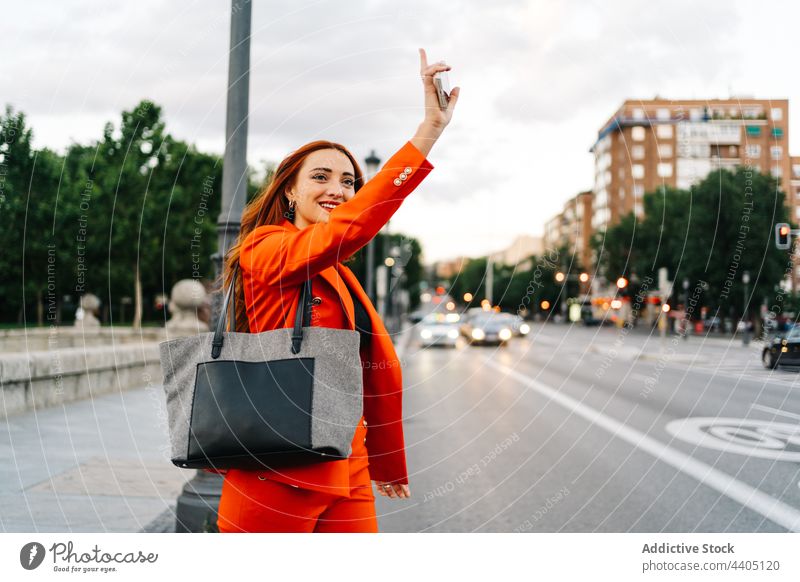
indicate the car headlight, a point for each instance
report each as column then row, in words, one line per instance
column 426, row 334
column 452, row 334
column 505, row 333
column 478, row 334
column 524, row 329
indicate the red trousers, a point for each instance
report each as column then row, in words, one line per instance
column 253, row 503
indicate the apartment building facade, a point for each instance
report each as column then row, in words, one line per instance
column 647, row 144
column 572, row 229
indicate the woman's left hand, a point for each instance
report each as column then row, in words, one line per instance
column 392, row 490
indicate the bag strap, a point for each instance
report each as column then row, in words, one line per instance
column 302, row 316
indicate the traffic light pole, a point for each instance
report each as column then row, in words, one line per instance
column 783, row 236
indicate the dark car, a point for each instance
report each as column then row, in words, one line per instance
column 488, row 328
column 782, row 350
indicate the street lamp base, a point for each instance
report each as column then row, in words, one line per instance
column 197, row 507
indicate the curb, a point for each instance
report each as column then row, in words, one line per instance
column 164, row 523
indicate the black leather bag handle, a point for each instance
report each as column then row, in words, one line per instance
column 302, row 316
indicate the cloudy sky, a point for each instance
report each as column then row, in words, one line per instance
column 538, row 79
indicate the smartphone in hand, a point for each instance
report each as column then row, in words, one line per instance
column 442, row 84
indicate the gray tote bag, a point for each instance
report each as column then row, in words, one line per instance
column 279, row 398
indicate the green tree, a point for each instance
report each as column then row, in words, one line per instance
column 709, row 236
column 29, row 182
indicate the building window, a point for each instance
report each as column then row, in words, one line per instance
column 638, row 209
column 638, row 114
column 637, row 152
column 695, row 114
column 797, row 215
column 665, row 170
column 638, row 190
column 796, row 170
column 776, row 152
column 752, row 112
column 776, row 172
column 662, row 114
column 664, row 131
column 752, row 150
column 637, row 133
column 776, row 113
column 637, row 171
column 622, row 193
column 665, row 150
column 733, row 151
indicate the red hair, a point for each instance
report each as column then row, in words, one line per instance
column 268, row 206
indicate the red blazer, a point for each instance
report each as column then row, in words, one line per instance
column 276, row 259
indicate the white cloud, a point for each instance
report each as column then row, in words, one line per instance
column 539, row 78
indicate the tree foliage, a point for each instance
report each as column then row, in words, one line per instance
column 709, row 236
column 135, row 201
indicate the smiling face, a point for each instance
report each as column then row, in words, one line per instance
column 325, row 180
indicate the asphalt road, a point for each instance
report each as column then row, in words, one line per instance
column 596, row 429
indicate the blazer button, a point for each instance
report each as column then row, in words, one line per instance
column 316, row 301
column 403, row 176
column 407, row 171
column 397, row 181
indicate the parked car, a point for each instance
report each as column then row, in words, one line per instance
column 782, row 350
column 439, row 329
column 488, row 328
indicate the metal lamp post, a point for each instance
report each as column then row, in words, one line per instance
column 686, row 308
column 197, row 505
column 372, row 163
column 393, row 270
column 745, row 320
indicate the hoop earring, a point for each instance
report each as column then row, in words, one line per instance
column 289, row 214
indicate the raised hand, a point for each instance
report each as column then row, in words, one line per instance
column 434, row 115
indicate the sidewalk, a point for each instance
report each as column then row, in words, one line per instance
column 643, row 343
column 99, row 465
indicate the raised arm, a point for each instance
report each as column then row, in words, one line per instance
column 288, row 257
column 436, row 119
column 282, row 257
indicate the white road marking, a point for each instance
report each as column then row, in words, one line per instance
column 773, row 509
column 776, row 411
column 765, row 439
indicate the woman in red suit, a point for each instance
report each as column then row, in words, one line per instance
column 313, row 215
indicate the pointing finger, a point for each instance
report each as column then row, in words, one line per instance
column 423, row 60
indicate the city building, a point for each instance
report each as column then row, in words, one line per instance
column 572, row 229
column 449, row 268
column 520, row 249
column 647, row 144
column 660, row 142
column 794, row 192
